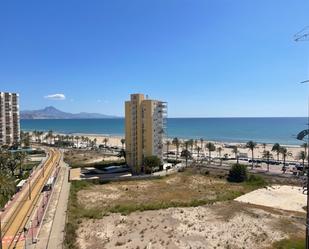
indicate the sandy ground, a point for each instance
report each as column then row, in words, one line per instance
column 258, row 153
column 85, row 157
column 223, row 225
column 283, row 197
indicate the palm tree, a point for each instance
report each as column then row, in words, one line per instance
column 251, row 146
column 35, row 134
column 105, row 141
column 306, row 148
column 211, row 147
column 202, row 142
column 122, row 142
column 302, row 156
column 285, row 153
column 220, row 151
column 50, row 135
column 168, row 143
column 267, row 155
column 20, row 158
column 191, row 143
column 186, row 153
column 235, row 151
column 276, row 148
column 198, row 151
column 40, row 134
column 176, row 143
column 77, row 139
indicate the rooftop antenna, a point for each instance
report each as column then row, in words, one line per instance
column 303, row 35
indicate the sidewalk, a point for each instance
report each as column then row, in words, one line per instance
column 51, row 235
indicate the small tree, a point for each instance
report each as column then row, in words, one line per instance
column 151, row 162
column 238, row 173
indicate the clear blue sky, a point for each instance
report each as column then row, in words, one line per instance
column 207, row 58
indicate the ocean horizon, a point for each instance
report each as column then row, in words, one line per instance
column 262, row 130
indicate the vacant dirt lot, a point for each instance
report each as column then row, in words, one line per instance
column 222, row 225
column 185, row 210
column 180, row 188
column 86, row 157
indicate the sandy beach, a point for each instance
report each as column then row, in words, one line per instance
column 226, row 147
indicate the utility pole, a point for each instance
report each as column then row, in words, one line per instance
column 303, row 35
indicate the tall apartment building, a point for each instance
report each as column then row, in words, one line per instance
column 9, row 119
column 144, row 130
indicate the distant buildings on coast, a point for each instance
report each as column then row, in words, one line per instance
column 9, row 119
column 144, row 129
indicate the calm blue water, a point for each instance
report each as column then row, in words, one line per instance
column 264, row 130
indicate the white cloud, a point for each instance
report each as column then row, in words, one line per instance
column 56, row 96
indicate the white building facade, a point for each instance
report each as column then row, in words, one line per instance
column 9, row 119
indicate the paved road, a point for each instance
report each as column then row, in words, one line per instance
column 15, row 220
column 51, row 235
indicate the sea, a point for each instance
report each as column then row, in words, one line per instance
column 261, row 130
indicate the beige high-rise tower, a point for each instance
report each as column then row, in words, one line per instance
column 9, row 119
column 144, row 129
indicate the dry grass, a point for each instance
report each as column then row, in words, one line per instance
column 91, row 205
column 80, row 158
column 182, row 189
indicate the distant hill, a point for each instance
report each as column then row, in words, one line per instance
column 51, row 112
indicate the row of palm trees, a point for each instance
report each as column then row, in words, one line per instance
column 198, row 145
column 66, row 139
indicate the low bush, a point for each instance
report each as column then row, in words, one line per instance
column 238, row 173
column 256, row 181
column 294, row 243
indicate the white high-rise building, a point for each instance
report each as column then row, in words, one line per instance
column 9, row 119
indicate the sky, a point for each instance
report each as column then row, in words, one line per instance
column 206, row 58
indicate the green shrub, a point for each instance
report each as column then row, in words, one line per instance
column 256, row 181
column 238, row 173
column 294, row 243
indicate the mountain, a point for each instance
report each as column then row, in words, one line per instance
column 51, row 112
